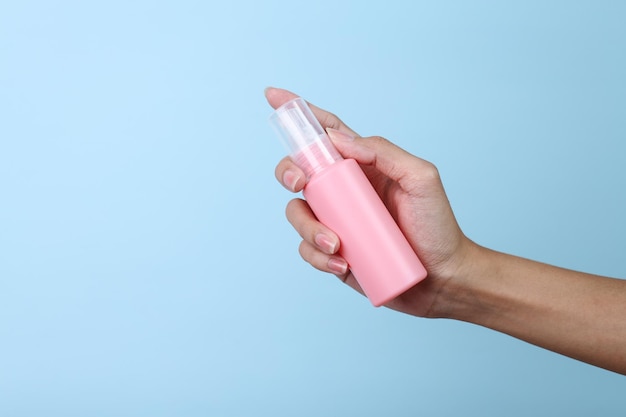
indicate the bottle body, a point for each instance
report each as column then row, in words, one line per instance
column 378, row 254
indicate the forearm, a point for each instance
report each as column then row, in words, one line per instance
column 579, row 315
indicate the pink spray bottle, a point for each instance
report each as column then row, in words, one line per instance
column 343, row 199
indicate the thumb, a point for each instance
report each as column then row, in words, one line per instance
column 388, row 158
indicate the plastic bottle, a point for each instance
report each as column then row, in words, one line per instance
column 342, row 198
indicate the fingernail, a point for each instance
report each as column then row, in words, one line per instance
column 338, row 135
column 290, row 179
column 326, row 244
column 338, row 266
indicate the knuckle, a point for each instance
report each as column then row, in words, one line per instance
column 302, row 249
column 306, row 252
column 312, row 256
column 291, row 208
column 379, row 139
column 430, row 172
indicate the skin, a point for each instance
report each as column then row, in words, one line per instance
column 579, row 315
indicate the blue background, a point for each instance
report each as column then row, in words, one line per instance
column 146, row 267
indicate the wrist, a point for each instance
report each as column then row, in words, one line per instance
column 464, row 291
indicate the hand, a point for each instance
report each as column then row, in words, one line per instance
column 412, row 191
column 572, row 313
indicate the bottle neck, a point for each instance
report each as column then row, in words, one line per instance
column 315, row 158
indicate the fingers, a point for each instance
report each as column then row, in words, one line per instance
column 276, row 97
column 309, row 228
column 389, row 159
column 332, row 264
column 290, row 175
column 376, row 151
column 320, row 244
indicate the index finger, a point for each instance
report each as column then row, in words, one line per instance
column 276, row 97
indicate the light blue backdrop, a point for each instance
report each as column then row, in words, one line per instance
column 146, row 268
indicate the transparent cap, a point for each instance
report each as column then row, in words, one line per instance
column 305, row 139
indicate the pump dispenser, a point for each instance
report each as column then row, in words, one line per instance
column 342, row 198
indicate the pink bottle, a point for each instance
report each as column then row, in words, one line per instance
column 342, row 198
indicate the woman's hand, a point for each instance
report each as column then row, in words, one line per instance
column 572, row 313
column 412, row 191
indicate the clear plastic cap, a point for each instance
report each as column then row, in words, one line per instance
column 307, row 143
